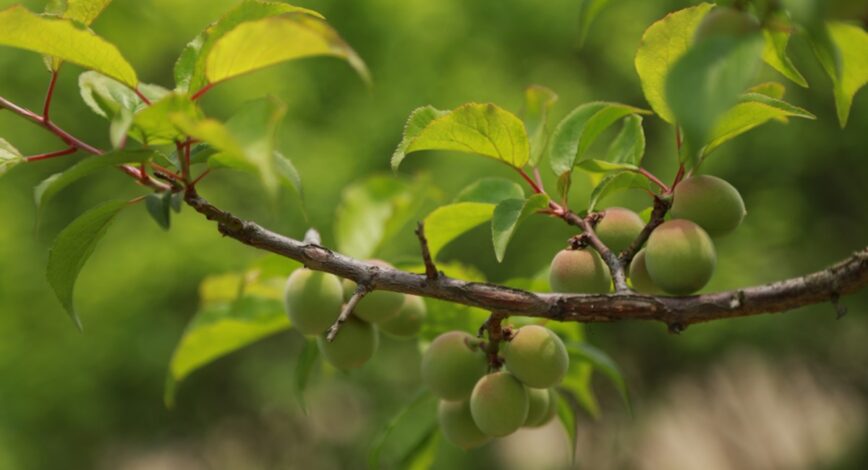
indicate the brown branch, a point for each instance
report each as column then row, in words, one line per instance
column 844, row 278
column 430, row 268
column 661, row 207
column 611, row 259
column 361, row 292
column 496, row 334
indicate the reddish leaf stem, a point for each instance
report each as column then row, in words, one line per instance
column 202, row 91
column 48, row 96
column 142, row 96
column 46, row 156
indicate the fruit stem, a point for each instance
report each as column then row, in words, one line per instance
column 496, row 334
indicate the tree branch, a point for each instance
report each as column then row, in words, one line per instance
column 430, row 268
column 611, row 259
column 361, row 292
column 661, row 207
column 827, row 285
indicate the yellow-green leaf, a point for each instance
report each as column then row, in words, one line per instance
column 153, row 125
column 538, row 101
column 9, row 156
column 449, row 222
column 852, row 44
column 775, row 54
column 79, row 11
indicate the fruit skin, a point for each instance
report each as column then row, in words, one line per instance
column 499, row 404
column 355, row 343
column 450, row 368
column 458, row 426
column 680, row 257
column 619, row 228
column 378, row 305
column 725, row 22
column 408, row 321
column 579, row 271
column 639, row 275
column 537, row 356
column 709, row 201
column 543, row 406
column 312, row 299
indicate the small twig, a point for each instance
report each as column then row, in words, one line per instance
column 536, row 189
column 142, row 96
column 201, row 91
column 46, row 106
column 661, row 207
column 651, row 177
column 46, row 156
column 361, row 291
column 496, row 334
column 430, row 268
column 611, row 259
column 840, row 309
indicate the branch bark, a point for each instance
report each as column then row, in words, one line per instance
column 845, row 277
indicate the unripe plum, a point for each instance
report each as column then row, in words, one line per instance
column 451, row 366
column 537, row 356
column 355, row 343
column 499, row 404
column 639, row 275
column 541, row 407
column 619, row 228
column 579, row 271
column 458, row 426
column 725, row 22
column 711, row 202
column 680, row 257
column 312, row 300
column 378, row 305
column 409, row 319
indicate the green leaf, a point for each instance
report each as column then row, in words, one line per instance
column 48, row 188
column 614, row 182
column 625, row 152
column 481, row 129
column 79, row 11
column 159, row 208
column 303, row 368
column 423, row 457
column 447, row 223
column 73, row 246
column 575, row 134
column 113, row 100
column 775, row 54
column 578, row 380
column 754, row 110
column 287, row 173
column 190, row 67
column 491, row 190
column 62, row 39
column 706, row 82
column 506, row 217
column 538, row 102
column 588, row 11
column 9, row 156
column 154, row 125
column 257, row 44
column 851, row 42
column 404, row 433
column 604, row 364
column 567, row 416
column 663, row 43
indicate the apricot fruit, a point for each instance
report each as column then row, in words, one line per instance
column 499, row 404
column 639, row 275
column 540, row 406
column 355, row 343
column 711, row 202
column 409, row 319
column 458, row 426
column 312, row 299
column 579, row 271
column 680, row 257
column 725, row 22
column 619, row 228
column 452, row 365
column 537, row 356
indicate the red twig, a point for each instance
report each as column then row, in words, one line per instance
column 533, row 185
column 48, row 96
column 142, row 96
column 653, row 179
column 200, row 177
column 202, row 91
column 46, row 156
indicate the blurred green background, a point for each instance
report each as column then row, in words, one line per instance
column 783, row 391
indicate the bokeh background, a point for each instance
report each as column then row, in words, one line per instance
column 782, row 391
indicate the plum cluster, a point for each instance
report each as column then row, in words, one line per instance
column 314, row 300
column 477, row 403
column 679, row 257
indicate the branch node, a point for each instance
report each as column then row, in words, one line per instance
column 431, row 272
column 676, row 328
column 361, row 291
column 496, row 334
column 840, row 309
column 312, row 237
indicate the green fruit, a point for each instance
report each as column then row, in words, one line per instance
column 619, row 228
column 409, row 319
column 537, row 356
column 355, row 343
column 539, row 400
column 639, row 275
column 450, row 367
column 725, row 22
column 711, row 202
column 457, row 425
column 680, row 257
column 378, row 305
column 312, row 300
column 579, row 271
column 499, row 404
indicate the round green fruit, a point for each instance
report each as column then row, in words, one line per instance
column 355, row 343
column 680, row 257
column 537, row 356
column 579, row 271
column 378, row 305
column 458, row 426
column 540, row 409
column 408, row 321
column 619, row 228
column 452, row 365
column 709, row 201
column 639, row 275
column 725, row 22
column 499, row 404
column 312, row 300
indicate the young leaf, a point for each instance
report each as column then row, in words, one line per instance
column 62, row 39
column 538, row 102
column 852, row 43
column 576, row 132
column 254, row 45
column 153, row 125
column 409, row 429
column 159, row 208
column 287, row 173
column 625, row 152
column 107, row 96
column 604, row 364
column 447, row 223
column 481, row 129
column 73, row 246
column 303, row 368
column 79, row 11
column 190, row 67
column 9, row 156
column 588, row 11
column 775, row 54
column 491, row 190
column 663, row 43
column 567, row 416
column 506, row 217
column 614, row 182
